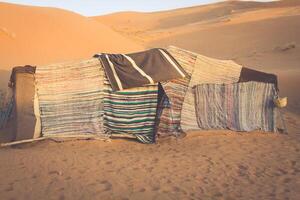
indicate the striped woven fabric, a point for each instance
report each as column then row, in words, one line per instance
column 132, row 70
column 131, row 112
column 239, row 106
column 175, row 91
column 207, row 70
column 70, row 97
column 6, row 109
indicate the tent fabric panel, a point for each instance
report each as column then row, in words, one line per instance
column 130, row 112
column 7, row 104
column 24, row 86
column 239, row 106
column 36, row 109
column 126, row 71
column 258, row 76
column 20, row 69
column 175, row 91
column 207, row 70
column 70, row 97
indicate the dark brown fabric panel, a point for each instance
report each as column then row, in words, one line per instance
column 20, row 69
column 108, row 71
column 258, row 76
column 152, row 62
column 126, row 71
column 175, row 61
column 24, row 106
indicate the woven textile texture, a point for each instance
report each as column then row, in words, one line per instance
column 207, row 70
column 131, row 112
column 240, row 106
column 175, row 91
column 70, row 98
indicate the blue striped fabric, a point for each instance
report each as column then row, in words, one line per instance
column 5, row 111
column 131, row 112
column 240, row 106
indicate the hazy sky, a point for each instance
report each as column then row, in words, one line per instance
column 100, row 7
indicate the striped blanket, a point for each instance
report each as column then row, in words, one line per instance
column 175, row 90
column 70, row 98
column 138, row 69
column 131, row 112
column 207, row 70
column 6, row 109
column 241, row 106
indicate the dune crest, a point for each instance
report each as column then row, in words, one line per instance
column 38, row 35
column 265, row 36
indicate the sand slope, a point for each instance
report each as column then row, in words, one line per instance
column 36, row 35
column 265, row 36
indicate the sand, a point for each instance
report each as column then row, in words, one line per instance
column 207, row 165
column 39, row 36
column 263, row 36
column 203, row 165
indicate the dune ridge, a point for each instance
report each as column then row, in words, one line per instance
column 37, row 35
column 260, row 35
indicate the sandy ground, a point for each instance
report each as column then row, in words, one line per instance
column 203, row 165
column 207, row 165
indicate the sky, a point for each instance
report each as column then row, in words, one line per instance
column 101, row 7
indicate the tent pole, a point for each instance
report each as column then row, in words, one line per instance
column 56, row 139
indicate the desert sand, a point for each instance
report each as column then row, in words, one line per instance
column 202, row 165
column 207, row 165
column 263, row 36
column 38, row 36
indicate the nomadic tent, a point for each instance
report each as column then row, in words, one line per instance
column 144, row 95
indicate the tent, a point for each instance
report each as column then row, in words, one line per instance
column 144, row 95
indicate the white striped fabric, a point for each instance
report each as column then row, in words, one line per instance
column 71, row 98
column 172, row 62
column 207, row 70
column 114, row 72
column 139, row 69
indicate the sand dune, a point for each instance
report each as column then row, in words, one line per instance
column 138, row 22
column 265, row 36
column 36, row 35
